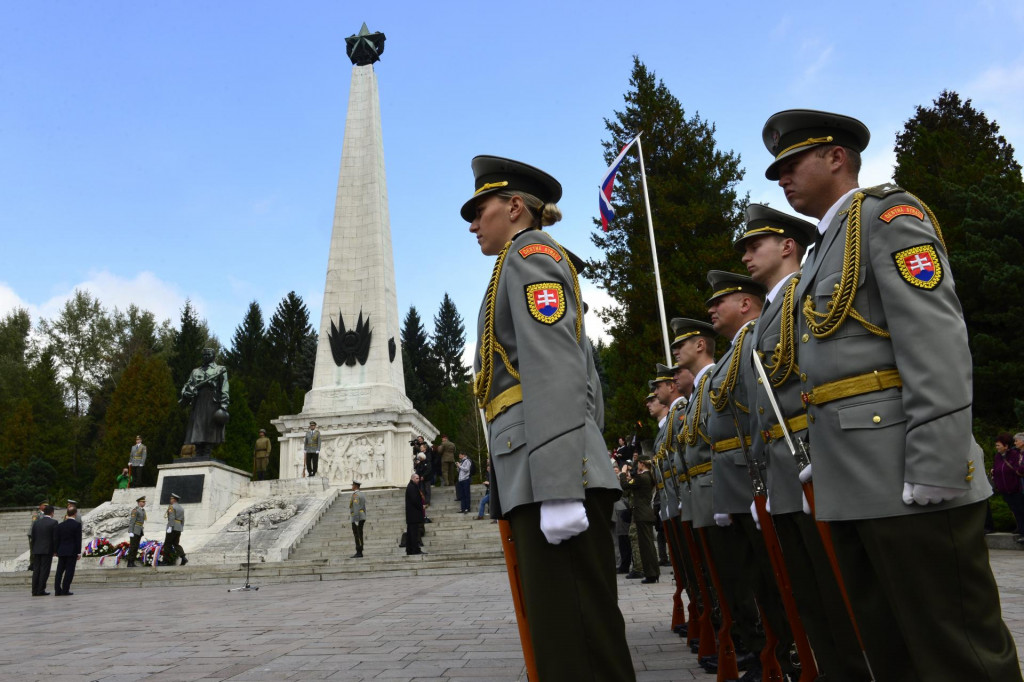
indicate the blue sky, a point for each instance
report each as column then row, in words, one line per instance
column 155, row 151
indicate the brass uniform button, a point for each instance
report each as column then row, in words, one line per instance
column 805, row 338
column 810, row 418
column 803, row 377
column 760, row 410
column 876, row 419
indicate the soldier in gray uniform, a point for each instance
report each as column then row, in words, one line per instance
column 137, row 460
column 771, row 248
column 311, row 448
column 883, row 346
column 536, row 381
column 357, row 516
column 136, row 525
column 734, row 306
column 175, row 524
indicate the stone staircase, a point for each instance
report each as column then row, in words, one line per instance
column 453, row 542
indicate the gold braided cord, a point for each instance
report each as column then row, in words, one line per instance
column 575, row 291
column 689, row 435
column 720, row 397
column 935, row 221
column 489, row 344
column 782, row 363
column 840, row 306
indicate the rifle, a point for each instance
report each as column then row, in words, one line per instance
column 678, row 612
column 508, row 546
column 808, row 668
column 802, row 456
column 727, row 667
column 192, row 390
column 706, row 630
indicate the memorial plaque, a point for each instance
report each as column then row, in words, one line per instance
column 190, row 488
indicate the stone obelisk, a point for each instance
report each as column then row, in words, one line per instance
column 358, row 397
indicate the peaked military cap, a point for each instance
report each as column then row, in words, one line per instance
column 723, row 283
column 496, row 174
column 684, row 328
column 650, row 385
column 140, row 499
column 664, row 373
column 74, row 502
column 175, row 496
column 762, row 220
column 794, row 131
column 357, row 484
column 649, row 398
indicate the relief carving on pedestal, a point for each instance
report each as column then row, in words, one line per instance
column 349, row 458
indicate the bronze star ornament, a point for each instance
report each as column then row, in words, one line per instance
column 364, row 48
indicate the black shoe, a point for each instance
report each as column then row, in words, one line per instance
column 681, row 630
column 753, row 674
column 648, row 581
column 184, row 560
column 357, row 555
column 428, row 520
column 709, row 663
column 664, row 563
column 43, row 594
column 56, row 593
column 633, row 575
column 748, row 660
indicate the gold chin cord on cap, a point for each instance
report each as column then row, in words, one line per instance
column 806, row 143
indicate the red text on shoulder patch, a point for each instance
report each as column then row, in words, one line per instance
column 902, row 209
column 546, row 301
column 919, row 266
column 531, row 249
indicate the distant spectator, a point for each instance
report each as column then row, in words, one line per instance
column 1007, row 469
column 424, row 471
column 448, row 467
column 487, row 492
column 465, row 474
column 414, row 515
column 124, row 479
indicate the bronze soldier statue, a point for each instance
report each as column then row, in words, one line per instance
column 207, row 391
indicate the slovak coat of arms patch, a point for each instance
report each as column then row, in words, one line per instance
column 919, row 266
column 546, row 301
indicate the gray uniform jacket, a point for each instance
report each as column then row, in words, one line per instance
column 699, row 453
column 311, row 443
column 357, row 507
column 137, row 458
column 176, row 517
column 784, row 489
column 548, row 446
column 664, row 447
column 732, row 492
column 674, row 449
column 864, row 447
column 136, row 520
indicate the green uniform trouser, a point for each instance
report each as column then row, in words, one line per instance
column 570, row 596
column 766, row 589
column 727, row 545
column 634, row 545
column 818, row 599
column 648, row 554
column 925, row 598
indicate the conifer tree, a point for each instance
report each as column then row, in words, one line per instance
column 953, row 157
column 450, row 342
column 423, row 377
column 695, row 211
column 291, row 345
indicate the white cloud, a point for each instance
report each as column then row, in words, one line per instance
column 146, row 290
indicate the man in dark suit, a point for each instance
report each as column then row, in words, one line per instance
column 43, row 546
column 68, row 547
column 413, row 516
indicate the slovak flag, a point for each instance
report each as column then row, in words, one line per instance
column 605, row 199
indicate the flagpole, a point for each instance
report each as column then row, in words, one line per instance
column 654, row 254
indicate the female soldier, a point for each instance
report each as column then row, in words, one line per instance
column 550, row 474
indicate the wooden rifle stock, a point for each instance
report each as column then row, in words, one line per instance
column 727, row 668
column 706, row 636
column 678, row 612
column 508, row 547
column 771, row 671
column 808, row 667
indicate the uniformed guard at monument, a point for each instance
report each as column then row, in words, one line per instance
column 537, row 383
column 261, row 455
column 357, row 517
column 175, row 524
column 136, row 526
column 897, row 473
column 771, row 247
column 311, row 450
column 136, row 461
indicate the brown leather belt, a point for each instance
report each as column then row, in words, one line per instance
column 879, row 380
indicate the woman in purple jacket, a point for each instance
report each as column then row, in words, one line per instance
column 1007, row 469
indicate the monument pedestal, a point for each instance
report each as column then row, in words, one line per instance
column 207, row 488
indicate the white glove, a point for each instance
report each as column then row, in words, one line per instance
column 928, row 494
column 562, row 519
column 723, row 520
column 168, row 529
column 806, row 504
column 753, row 513
column 680, row 506
column 768, row 504
column 131, row 535
column 805, row 473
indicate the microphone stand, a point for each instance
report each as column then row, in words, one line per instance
column 248, row 563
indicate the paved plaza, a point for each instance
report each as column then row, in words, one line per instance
column 433, row 627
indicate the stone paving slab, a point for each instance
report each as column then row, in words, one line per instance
column 415, row 629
